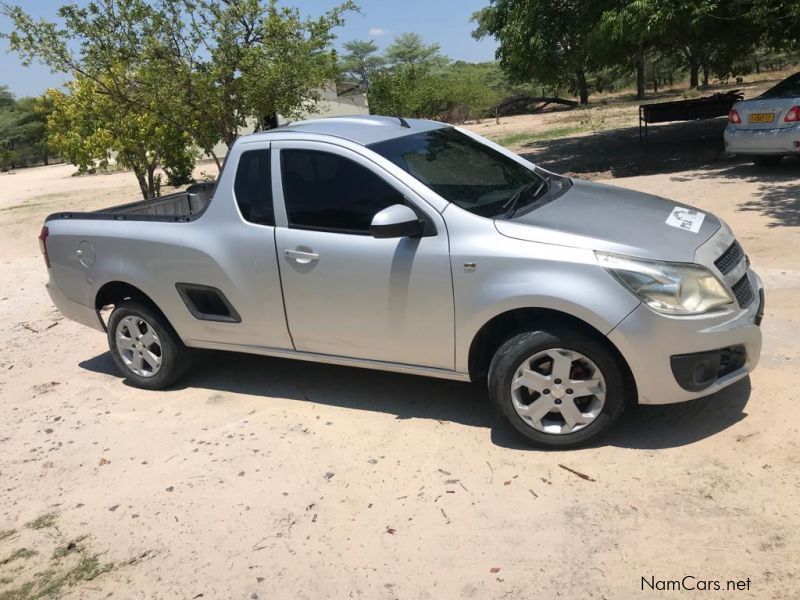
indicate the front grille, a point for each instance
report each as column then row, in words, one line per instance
column 730, row 258
column 743, row 292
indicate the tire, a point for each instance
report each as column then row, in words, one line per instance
column 592, row 368
column 155, row 342
column 770, row 160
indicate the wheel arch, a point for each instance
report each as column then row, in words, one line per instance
column 505, row 325
column 114, row 293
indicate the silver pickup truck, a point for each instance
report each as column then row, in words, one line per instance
column 414, row 246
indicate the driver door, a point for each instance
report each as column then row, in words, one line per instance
column 347, row 293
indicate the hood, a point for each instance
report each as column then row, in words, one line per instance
column 603, row 217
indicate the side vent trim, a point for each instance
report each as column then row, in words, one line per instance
column 207, row 303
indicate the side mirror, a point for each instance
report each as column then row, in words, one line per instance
column 396, row 221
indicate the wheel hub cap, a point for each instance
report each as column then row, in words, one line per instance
column 138, row 346
column 558, row 391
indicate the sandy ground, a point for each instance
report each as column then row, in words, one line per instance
column 267, row 478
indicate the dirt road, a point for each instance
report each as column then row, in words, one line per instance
column 267, row 478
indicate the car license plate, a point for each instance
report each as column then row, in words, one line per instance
column 761, row 117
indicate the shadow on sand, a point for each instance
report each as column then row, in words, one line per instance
column 412, row 397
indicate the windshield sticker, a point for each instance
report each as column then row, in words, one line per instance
column 687, row 219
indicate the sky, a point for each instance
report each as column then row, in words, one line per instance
column 444, row 22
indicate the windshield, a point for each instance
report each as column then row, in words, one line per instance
column 788, row 88
column 465, row 172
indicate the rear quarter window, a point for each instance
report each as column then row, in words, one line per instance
column 253, row 187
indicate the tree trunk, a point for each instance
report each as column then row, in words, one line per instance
column 142, row 183
column 640, row 83
column 705, row 76
column 694, row 73
column 151, row 183
column 216, row 160
column 583, row 89
column 228, row 138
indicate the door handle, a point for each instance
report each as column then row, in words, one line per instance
column 304, row 258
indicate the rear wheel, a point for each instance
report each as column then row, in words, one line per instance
column 557, row 389
column 768, row 160
column 145, row 348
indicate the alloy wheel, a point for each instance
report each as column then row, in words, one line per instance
column 139, row 346
column 558, row 391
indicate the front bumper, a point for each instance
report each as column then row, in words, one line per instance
column 785, row 140
column 85, row 315
column 649, row 341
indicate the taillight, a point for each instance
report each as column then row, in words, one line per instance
column 793, row 115
column 733, row 117
column 43, row 244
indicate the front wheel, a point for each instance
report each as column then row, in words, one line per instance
column 557, row 389
column 144, row 346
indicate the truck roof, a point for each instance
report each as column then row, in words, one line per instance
column 361, row 129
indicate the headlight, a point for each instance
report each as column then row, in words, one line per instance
column 670, row 288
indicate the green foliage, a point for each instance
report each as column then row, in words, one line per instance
column 22, row 131
column 91, row 128
column 197, row 71
column 179, row 171
column 456, row 93
column 18, row 554
column 409, row 49
column 361, row 62
column 408, row 90
column 542, row 40
column 45, row 521
column 416, row 80
column 7, row 533
column 778, row 22
column 242, row 60
column 575, row 43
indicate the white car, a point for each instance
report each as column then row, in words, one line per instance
column 767, row 127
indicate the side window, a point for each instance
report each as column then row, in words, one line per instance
column 328, row 192
column 253, row 187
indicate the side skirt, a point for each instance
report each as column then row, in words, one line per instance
column 332, row 359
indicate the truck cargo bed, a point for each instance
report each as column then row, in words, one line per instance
column 180, row 206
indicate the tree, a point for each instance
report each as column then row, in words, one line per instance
column 456, row 93
column 709, row 35
column 122, row 100
column 22, row 131
column 91, row 128
column 472, row 90
column 408, row 90
column 777, row 20
column 206, row 68
column 361, row 61
column 7, row 99
column 410, row 49
column 243, row 60
column 625, row 35
column 542, row 39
